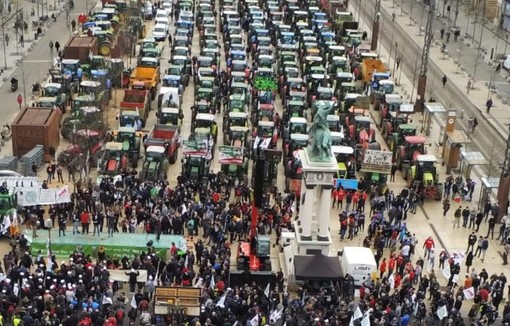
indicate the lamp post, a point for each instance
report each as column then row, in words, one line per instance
column 479, row 44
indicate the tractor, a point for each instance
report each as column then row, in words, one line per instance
column 155, row 164
column 114, row 159
column 344, row 156
column 295, row 126
column 195, row 167
column 391, row 103
column 391, row 124
column 406, row 153
column 170, row 116
column 131, row 143
column 360, row 130
column 424, row 176
column 398, row 136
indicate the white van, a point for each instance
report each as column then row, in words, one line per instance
column 359, row 262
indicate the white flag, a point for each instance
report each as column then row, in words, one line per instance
column 267, row 291
column 469, row 293
column 442, row 312
column 391, row 279
column 255, row 320
column 366, row 320
column 275, row 315
column 221, row 302
column 351, row 323
column 133, row 302
column 357, row 314
column 107, row 300
column 212, row 285
column 6, row 224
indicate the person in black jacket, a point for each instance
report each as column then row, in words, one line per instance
column 133, row 274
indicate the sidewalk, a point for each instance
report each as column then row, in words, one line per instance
column 465, row 51
column 14, row 50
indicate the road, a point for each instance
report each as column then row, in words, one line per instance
column 36, row 64
column 487, row 137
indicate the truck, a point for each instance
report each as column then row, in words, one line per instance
column 134, row 100
column 369, row 66
column 166, row 136
column 149, row 78
column 359, row 262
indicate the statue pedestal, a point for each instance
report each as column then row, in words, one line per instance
column 315, row 200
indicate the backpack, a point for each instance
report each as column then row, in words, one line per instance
column 145, row 318
column 191, row 224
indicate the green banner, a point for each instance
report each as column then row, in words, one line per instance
column 65, row 250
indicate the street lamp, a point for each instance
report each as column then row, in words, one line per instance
column 479, row 43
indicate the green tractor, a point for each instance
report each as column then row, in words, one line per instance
column 131, row 143
column 195, row 167
column 57, row 91
column 155, row 165
column 398, row 137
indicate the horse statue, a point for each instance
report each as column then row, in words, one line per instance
column 320, row 135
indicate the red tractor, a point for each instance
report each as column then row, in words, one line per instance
column 412, row 147
column 361, row 131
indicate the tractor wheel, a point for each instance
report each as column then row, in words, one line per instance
column 134, row 159
column 439, row 192
column 405, row 171
column 105, row 48
column 173, row 158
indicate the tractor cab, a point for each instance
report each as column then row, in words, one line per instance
column 195, row 167
column 361, row 130
column 334, row 123
column 90, row 87
column 423, row 174
column 237, row 136
column 148, row 62
column 294, row 109
column 47, row 102
column 387, row 86
column 350, row 101
column 238, row 78
column 131, row 119
column 310, row 62
column 242, row 90
column 204, row 120
column 343, row 77
column 265, row 130
column 399, row 135
column 344, row 155
column 155, row 154
column 52, row 89
column 113, row 159
column 391, row 103
column 237, row 119
column 236, row 103
column 71, row 67
column 297, row 126
column 391, row 124
column 337, row 138
column 295, row 142
column 174, row 81
column 337, row 64
column 171, row 116
column 412, row 147
column 265, row 112
column 346, row 88
column 335, row 51
column 293, row 84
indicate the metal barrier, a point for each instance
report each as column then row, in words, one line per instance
column 9, row 163
column 34, row 157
